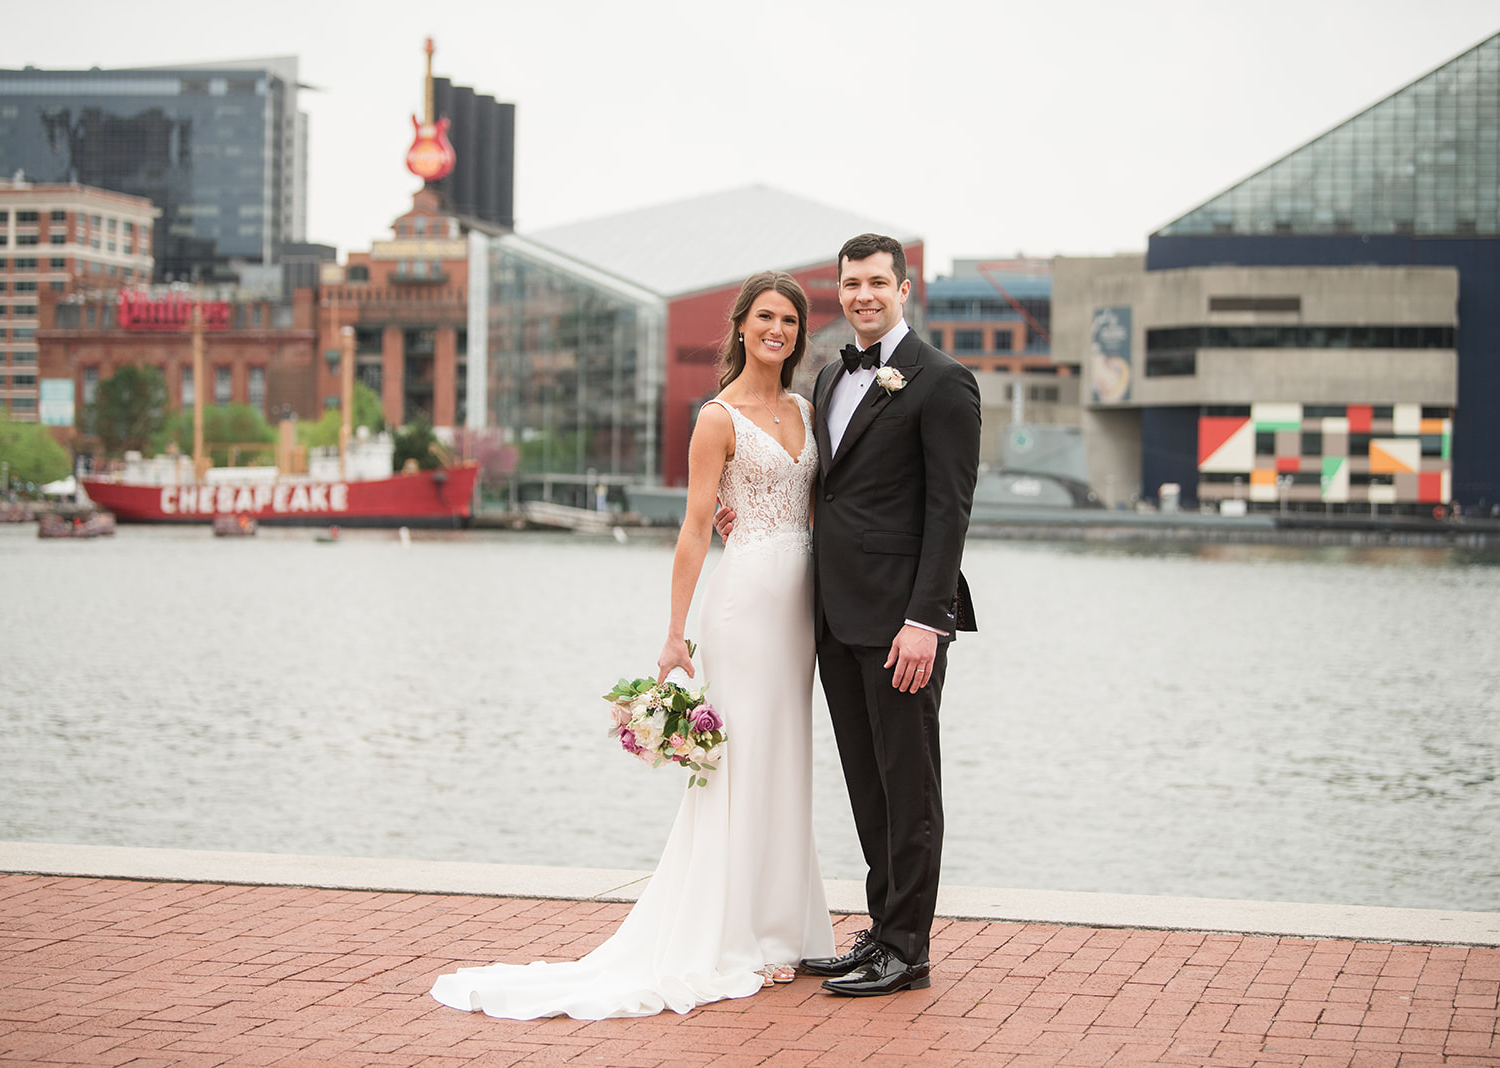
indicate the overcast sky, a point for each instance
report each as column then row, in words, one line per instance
column 990, row 128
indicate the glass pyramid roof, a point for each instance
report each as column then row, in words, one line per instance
column 1425, row 160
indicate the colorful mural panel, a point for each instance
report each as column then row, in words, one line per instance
column 1336, row 454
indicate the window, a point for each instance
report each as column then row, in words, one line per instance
column 58, row 263
column 968, row 341
column 26, row 217
column 1312, row 443
column 90, row 384
column 187, row 387
column 223, row 385
column 23, row 404
column 25, row 287
column 1044, row 394
column 1299, row 337
column 1171, row 364
column 28, row 239
column 1004, row 340
column 258, row 387
column 937, row 339
column 26, row 263
column 59, row 216
column 359, row 273
column 23, row 381
column 1255, row 304
column 25, row 311
column 58, row 238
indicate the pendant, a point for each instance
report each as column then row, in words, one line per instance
column 775, row 418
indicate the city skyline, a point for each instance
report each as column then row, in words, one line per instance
column 1079, row 128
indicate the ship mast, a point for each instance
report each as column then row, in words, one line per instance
column 201, row 462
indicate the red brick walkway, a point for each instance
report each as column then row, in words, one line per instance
column 111, row 972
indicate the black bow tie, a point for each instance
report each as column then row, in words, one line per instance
column 854, row 359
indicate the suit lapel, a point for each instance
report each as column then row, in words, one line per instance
column 823, row 394
column 904, row 359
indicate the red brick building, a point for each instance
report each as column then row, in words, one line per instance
column 258, row 353
column 408, row 301
column 57, row 240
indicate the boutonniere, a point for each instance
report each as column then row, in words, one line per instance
column 890, row 380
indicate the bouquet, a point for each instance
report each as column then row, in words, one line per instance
column 665, row 722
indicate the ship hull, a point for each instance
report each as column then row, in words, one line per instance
column 440, row 498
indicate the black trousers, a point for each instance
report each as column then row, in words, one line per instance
column 888, row 745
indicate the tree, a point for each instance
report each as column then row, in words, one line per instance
column 325, row 432
column 33, row 454
column 129, row 409
column 416, row 442
column 230, row 424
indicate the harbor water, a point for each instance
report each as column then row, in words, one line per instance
column 1311, row 724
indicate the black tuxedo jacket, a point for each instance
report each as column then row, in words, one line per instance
column 892, row 505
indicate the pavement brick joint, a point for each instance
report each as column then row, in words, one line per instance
column 114, row 972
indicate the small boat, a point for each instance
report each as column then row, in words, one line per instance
column 93, row 525
column 235, row 526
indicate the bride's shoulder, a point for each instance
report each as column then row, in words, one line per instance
column 716, row 416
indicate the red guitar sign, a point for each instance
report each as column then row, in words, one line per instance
column 431, row 156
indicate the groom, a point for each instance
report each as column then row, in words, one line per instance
column 898, row 454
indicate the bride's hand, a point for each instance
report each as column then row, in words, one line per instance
column 674, row 654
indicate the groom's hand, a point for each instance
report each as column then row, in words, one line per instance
column 912, row 654
column 724, row 522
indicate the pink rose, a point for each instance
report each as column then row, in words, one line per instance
column 620, row 714
column 627, row 740
column 705, row 718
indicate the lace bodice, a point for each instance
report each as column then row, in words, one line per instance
column 768, row 489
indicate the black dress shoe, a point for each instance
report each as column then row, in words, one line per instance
column 860, row 952
column 882, row 973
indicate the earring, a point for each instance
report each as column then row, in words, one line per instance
column 742, row 339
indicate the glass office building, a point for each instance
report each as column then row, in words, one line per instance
column 573, row 367
column 1412, row 181
column 220, row 149
column 1423, row 161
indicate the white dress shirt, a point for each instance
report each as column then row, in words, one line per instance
column 850, row 389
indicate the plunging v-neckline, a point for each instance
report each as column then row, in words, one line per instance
column 806, row 431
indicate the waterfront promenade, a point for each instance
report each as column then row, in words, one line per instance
column 160, row 957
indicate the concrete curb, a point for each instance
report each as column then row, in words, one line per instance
column 1068, row 908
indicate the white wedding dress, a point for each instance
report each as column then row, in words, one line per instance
column 738, row 885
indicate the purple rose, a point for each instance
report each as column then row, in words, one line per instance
column 706, row 719
column 627, row 739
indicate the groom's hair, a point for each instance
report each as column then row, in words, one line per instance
column 866, row 245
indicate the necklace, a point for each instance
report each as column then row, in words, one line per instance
column 774, row 417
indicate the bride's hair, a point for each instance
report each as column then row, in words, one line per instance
column 732, row 351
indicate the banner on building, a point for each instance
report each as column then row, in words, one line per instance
column 55, row 406
column 1109, row 356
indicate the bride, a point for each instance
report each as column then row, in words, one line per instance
column 737, row 898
